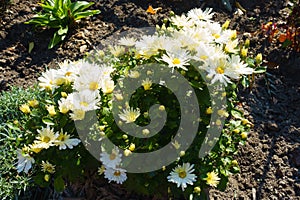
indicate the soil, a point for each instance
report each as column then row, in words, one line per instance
column 270, row 161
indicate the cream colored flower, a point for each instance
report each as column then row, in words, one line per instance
column 48, row 167
column 25, row 109
column 129, row 115
column 212, row 179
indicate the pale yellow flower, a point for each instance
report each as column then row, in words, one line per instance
column 48, row 167
column 147, row 84
column 33, row 103
column 25, row 109
column 212, row 179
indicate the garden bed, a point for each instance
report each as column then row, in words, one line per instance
column 269, row 161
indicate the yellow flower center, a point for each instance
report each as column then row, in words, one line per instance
column 220, row 70
column 84, row 103
column 94, row 86
column 68, row 73
column 117, row 173
column 112, row 156
column 45, row 139
column 203, row 57
column 216, row 35
column 176, row 61
column 182, row 173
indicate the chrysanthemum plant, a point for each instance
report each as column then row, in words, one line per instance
column 192, row 46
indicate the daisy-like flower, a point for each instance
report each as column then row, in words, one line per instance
column 127, row 41
column 77, row 114
column 47, row 80
column 115, row 174
column 46, row 138
column 111, row 160
column 129, row 115
column 64, row 141
column 182, row 175
column 218, row 71
column 65, row 105
column 116, row 50
column 134, row 74
column 178, row 59
column 181, row 21
column 107, row 85
column 69, row 71
column 147, row 83
column 197, row 14
column 212, row 179
column 48, row 167
column 85, row 100
column 89, row 78
column 232, row 46
column 25, row 161
column 237, row 67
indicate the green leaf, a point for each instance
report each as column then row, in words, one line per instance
column 55, row 40
column 261, row 69
column 236, row 114
column 59, row 184
column 48, row 121
column 287, row 43
column 62, row 31
column 79, row 6
column 31, row 45
column 84, row 14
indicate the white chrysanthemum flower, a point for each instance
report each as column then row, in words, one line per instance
column 89, row 78
column 63, row 141
column 46, row 138
column 237, row 67
column 112, row 160
column 127, row 41
column 232, row 46
column 178, row 59
column 77, row 114
column 107, row 86
column 25, row 161
column 204, row 52
column 68, row 70
column 48, row 79
column 182, row 175
column 118, row 175
column 106, row 71
column 181, row 21
column 65, row 105
column 129, row 115
column 197, row 14
column 148, row 45
column 198, row 34
column 85, row 100
column 116, row 50
column 218, row 71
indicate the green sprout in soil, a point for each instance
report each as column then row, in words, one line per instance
column 61, row 15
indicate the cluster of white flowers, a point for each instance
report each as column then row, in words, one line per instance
column 197, row 38
column 86, row 79
column 44, row 140
column 112, row 169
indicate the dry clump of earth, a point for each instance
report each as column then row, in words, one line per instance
column 270, row 160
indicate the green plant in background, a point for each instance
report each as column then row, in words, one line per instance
column 61, row 15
